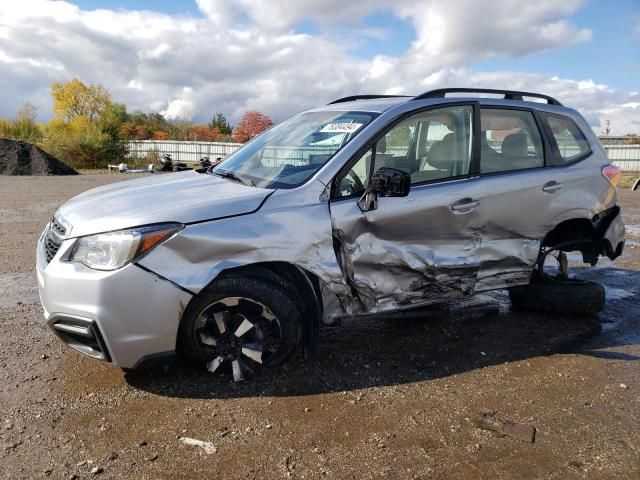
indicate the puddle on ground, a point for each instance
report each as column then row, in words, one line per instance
column 18, row 288
column 632, row 230
column 618, row 293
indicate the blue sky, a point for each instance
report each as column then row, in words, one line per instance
column 167, row 6
column 190, row 59
column 611, row 57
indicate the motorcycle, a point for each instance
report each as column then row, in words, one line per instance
column 206, row 164
column 168, row 166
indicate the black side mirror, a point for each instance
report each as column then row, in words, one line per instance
column 386, row 182
column 390, row 182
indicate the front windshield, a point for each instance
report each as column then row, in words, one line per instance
column 288, row 154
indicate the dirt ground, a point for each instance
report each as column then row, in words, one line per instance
column 393, row 398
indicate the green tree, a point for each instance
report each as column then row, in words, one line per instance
column 220, row 122
column 23, row 126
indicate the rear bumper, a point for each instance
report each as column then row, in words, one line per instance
column 612, row 232
column 123, row 316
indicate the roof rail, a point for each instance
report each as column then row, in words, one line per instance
column 508, row 94
column 363, row 97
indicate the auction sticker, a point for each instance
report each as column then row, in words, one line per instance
column 341, row 127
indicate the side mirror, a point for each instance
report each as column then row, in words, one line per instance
column 386, row 182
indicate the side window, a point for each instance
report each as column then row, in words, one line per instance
column 569, row 139
column 510, row 140
column 431, row 145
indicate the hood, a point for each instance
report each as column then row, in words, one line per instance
column 183, row 197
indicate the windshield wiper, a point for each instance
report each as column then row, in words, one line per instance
column 230, row 176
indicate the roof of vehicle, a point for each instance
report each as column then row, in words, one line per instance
column 380, row 103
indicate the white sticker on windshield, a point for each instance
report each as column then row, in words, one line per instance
column 341, row 127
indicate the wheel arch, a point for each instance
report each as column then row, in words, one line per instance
column 584, row 234
column 302, row 284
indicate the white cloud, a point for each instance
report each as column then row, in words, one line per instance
column 595, row 102
column 245, row 54
column 178, row 109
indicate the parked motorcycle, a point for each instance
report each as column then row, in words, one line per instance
column 206, row 164
column 168, row 166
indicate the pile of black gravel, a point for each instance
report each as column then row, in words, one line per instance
column 22, row 158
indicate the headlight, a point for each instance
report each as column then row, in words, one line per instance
column 113, row 250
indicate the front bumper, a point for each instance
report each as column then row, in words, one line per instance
column 124, row 316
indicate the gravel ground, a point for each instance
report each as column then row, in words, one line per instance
column 387, row 398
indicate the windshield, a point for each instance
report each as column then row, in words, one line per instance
column 290, row 153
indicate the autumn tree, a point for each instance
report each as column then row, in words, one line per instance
column 86, row 130
column 128, row 130
column 160, row 135
column 75, row 99
column 252, row 124
column 203, row 133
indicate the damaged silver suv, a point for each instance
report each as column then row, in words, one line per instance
column 370, row 204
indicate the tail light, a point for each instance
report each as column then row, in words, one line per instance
column 613, row 174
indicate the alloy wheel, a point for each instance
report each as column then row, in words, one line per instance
column 238, row 331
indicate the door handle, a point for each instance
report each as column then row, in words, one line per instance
column 551, row 187
column 465, row 205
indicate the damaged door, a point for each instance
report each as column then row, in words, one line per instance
column 421, row 248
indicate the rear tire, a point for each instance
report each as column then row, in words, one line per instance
column 276, row 323
column 569, row 297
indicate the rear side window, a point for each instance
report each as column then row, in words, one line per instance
column 570, row 141
column 510, row 140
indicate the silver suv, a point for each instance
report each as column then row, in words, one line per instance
column 370, row 204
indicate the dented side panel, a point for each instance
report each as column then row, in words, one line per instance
column 299, row 235
column 417, row 250
column 410, row 250
column 517, row 214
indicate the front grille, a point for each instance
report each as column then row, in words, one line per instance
column 57, row 227
column 53, row 238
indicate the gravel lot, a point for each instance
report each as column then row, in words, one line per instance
column 387, row 398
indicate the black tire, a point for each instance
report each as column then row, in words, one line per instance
column 259, row 290
column 569, row 297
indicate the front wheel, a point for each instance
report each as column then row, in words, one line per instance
column 242, row 321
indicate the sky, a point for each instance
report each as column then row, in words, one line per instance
column 188, row 59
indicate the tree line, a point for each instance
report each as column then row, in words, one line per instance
column 90, row 130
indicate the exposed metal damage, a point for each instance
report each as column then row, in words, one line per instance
column 362, row 266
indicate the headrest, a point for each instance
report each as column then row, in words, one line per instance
column 515, row 145
column 441, row 154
